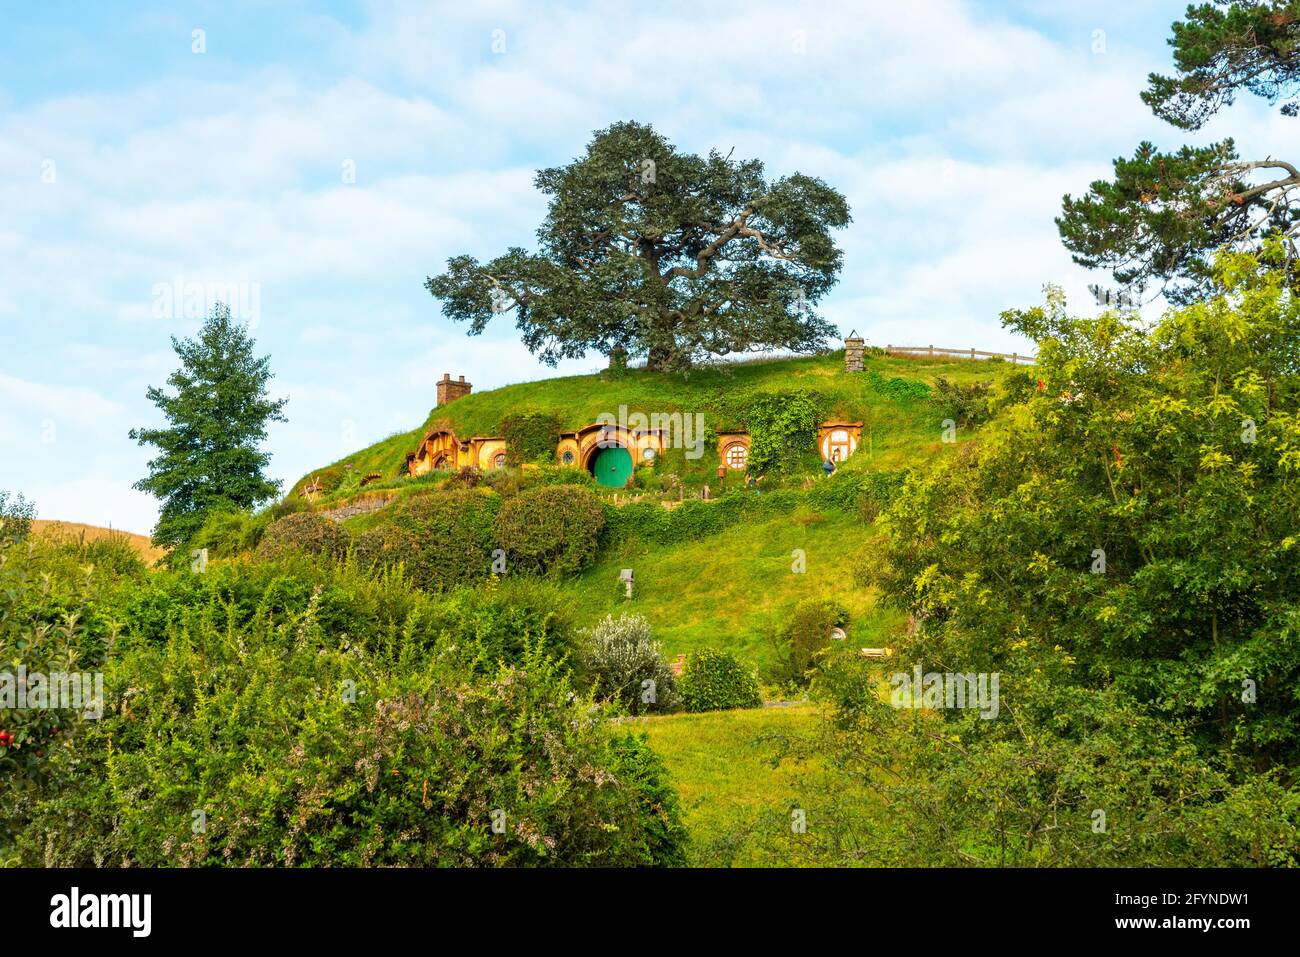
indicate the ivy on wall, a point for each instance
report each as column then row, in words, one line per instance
column 530, row 436
column 782, row 430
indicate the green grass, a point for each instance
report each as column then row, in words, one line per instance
column 736, row 798
column 897, row 430
column 727, row 589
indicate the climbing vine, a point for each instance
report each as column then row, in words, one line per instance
column 530, row 436
column 782, row 430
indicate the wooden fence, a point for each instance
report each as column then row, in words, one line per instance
column 933, row 351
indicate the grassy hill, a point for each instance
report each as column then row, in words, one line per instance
column 888, row 396
column 75, row 530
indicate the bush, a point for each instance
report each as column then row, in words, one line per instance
column 290, row 769
column 807, row 632
column 15, row 519
column 498, row 622
column 303, row 532
column 715, row 680
column 384, row 546
column 625, row 665
column 965, row 404
column 550, row 529
column 453, row 532
column 226, row 533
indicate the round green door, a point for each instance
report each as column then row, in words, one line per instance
column 612, row 467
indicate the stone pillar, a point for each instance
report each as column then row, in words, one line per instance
column 449, row 391
column 853, row 347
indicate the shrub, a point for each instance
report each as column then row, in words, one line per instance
column 467, row 476
column 453, row 532
column 498, row 622
column 384, row 546
column 303, row 532
column 15, row 519
column 292, row 771
column 715, row 680
column 965, row 404
column 530, row 436
column 550, row 529
column 807, row 632
column 626, row 666
column 903, row 390
column 229, row 532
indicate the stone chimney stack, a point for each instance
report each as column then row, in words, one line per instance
column 853, row 347
column 449, row 391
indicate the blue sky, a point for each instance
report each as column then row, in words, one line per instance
column 129, row 162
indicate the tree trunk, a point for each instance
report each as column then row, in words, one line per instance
column 658, row 358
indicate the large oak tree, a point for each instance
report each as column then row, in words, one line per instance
column 1158, row 220
column 661, row 254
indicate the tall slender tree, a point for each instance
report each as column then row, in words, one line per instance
column 209, row 453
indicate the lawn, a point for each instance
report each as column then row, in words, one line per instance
column 739, row 802
column 727, row 590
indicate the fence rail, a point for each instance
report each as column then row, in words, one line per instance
column 958, row 353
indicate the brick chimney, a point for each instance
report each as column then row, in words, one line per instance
column 853, row 346
column 449, row 391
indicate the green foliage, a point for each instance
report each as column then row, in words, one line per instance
column 804, row 634
column 454, row 530
column 304, row 532
column 208, row 454
column 226, row 533
column 550, row 529
column 782, row 429
column 643, row 251
column 530, row 437
column 715, row 680
column 1225, row 47
column 1164, row 214
column 966, row 404
column 1148, row 686
column 1079, row 777
column 15, row 519
column 384, row 546
column 626, row 666
column 317, row 716
column 899, row 389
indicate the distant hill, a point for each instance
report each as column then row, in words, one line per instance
column 55, row 529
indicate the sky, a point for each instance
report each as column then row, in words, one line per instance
column 316, row 162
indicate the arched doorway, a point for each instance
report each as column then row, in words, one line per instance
column 612, row 466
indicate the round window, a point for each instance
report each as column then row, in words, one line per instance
column 648, row 455
column 567, row 458
column 501, row 460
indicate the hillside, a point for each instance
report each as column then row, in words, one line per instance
column 899, row 424
column 76, row 530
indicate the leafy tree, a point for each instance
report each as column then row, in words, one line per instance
column 209, row 458
column 1135, row 515
column 662, row 254
column 15, row 518
column 1164, row 213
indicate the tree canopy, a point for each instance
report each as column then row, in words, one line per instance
column 209, row 457
column 665, row 255
column 1162, row 215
